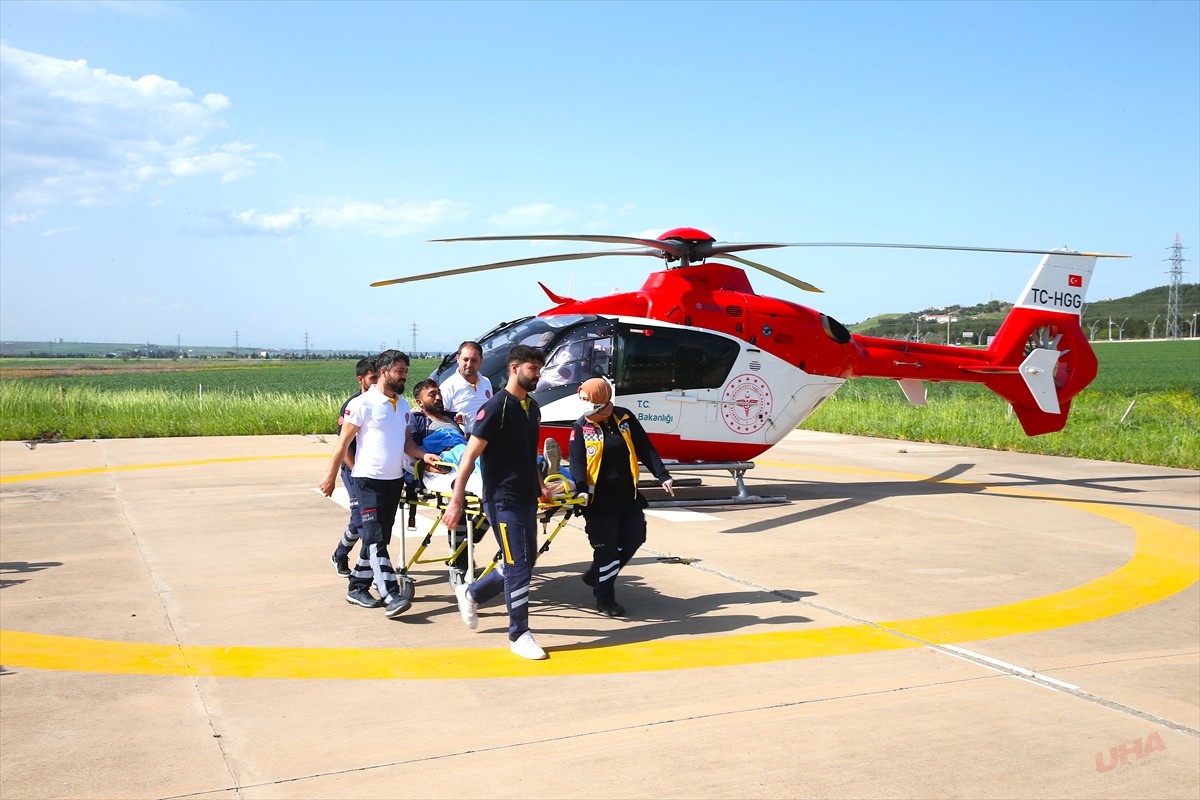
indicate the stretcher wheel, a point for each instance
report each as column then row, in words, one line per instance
column 407, row 590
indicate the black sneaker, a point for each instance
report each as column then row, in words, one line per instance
column 364, row 598
column 341, row 564
column 613, row 609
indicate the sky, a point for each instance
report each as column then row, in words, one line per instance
column 220, row 173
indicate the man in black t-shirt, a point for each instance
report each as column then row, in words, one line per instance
column 506, row 434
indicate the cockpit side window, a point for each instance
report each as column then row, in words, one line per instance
column 583, row 353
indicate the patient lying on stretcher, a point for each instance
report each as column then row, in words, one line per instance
column 449, row 445
column 435, row 430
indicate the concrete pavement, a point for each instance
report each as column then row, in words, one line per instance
column 917, row 621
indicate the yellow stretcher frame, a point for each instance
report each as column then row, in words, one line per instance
column 475, row 517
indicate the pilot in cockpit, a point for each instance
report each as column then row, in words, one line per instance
column 573, row 363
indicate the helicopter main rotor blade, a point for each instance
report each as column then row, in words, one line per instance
column 667, row 247
column 783, row 276
column 515, row 263
column 692, row 251
column 699, row 250
column 1061, row 251
column 721, row 248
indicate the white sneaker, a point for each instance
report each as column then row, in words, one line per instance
column 527, row 647
column 467, row 607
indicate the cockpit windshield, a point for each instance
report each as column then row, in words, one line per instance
column 539, row 332
column 582, row 352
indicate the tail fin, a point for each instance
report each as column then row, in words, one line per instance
column 1040, row 357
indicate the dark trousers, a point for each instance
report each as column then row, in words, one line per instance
column 354, row 526
column 515, row 527
column 378, row 503
column 614, row 539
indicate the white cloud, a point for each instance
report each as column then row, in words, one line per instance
column 600, row 218
column 534, row 216
column 232, row 161
column 215, row 102
column 58, row 231
column 259, row 222
column 137, row 8
column 76, row 134
column 547, row 218
column 390, row 218
column 16, row 220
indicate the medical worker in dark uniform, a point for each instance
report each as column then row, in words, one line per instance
column 606, row 445
column 505, row 434
column 365, row 372
column 378, row 422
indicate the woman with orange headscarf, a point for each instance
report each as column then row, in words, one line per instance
column 607, row 443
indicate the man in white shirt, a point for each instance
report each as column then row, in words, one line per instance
column 465, row 392
column 377, row 420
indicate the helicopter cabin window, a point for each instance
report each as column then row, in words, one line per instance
column 661, row 359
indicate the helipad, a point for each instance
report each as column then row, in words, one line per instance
column 169, row 606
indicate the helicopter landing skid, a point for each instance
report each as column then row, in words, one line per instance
column 736, row 469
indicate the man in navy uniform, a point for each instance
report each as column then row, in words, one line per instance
column 366, row 375
column 505, row 433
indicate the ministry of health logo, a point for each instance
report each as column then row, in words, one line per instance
column 746, row 404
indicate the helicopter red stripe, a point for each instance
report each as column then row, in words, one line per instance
column 680, row 449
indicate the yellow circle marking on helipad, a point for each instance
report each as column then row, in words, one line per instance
column 70, row 473
column 1165, row 561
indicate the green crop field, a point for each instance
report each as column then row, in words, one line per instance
column 106, row 399
column 1143, row 407
column 1141, row 366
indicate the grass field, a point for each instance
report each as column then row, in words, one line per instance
column 1144, row 406
column 112, row 399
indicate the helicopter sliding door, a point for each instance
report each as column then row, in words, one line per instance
column 651, row 359
column 658, row 369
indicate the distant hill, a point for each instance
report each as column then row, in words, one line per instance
column 1141, row 309
column 1137, row 312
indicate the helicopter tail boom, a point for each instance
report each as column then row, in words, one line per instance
column 1038, row 360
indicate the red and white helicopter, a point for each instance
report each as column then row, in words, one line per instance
column 718, row 373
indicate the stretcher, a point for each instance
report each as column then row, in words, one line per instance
column 433, row 493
